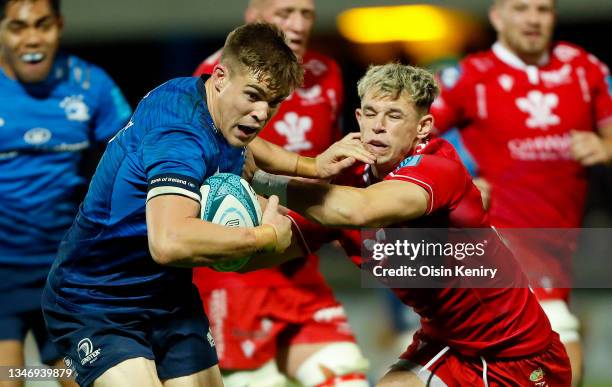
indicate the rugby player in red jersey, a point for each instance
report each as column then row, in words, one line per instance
column 495, row 336
column 533, row 114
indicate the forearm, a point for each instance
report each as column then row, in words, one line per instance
column 329, row 205
column 196, row 243
column 275, row 159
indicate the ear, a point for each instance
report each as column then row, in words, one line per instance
column 219, row 75
column 60, row 24
column 495, row 18
column 425, row 126
column 359, row 115
column 251, row 14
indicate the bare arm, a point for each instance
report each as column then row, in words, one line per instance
column 378, row 205
column 177, row 237
column 590, row 148
column 342, row 154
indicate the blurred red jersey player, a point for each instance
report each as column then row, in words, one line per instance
column 529, row 111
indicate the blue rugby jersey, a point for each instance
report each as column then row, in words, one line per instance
column 44, row 129
column 170, row 146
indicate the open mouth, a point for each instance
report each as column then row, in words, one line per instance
column 377, row 147
column 247, row 130
column 33, row 57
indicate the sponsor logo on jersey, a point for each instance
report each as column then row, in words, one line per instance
column 316, row 67
column 544, row 148
column 248, row 348
column 565, row 53
column 537, row 377
column 557, row 77
column 310, row 96
column 75, row 108
column 294, row 128
column 506, row 82
column 540, row 107
column 410, row 161
column 37, row 136
column 450, row 76
column 86, row 351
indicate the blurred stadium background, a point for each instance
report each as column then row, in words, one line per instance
column 144, row 43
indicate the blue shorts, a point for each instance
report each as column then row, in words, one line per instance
column 93, row 340
column 20, row 292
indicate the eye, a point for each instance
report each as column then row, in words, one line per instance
column 253, row 97
column 395, row 116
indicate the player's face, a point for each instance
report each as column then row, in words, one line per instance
column 29, row 35
column 525, row 26
column 390, row 128
column 294, row 17
column 245, row 105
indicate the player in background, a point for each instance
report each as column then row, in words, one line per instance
column 533, row 114
column 286, row 317
column 469, row 336
column 119, row 300
column 57, row 110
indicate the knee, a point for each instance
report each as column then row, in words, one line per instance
column 337, row 365
column 266, row 376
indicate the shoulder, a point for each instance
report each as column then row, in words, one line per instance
column 469, row 70
column 571, row 53
column 174, row 101
column 84, row 74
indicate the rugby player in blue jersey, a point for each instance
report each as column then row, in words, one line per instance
column 55, row 109
column 119, row 301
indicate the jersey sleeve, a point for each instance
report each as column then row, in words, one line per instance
column 311, row 235
column 174, row 161
column 602, row 93
column 443, row 179
column 448, row 109
column 113, row 111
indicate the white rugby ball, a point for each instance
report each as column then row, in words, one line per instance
column 229, row 200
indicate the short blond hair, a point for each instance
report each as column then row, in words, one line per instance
column 393, row 79
column 262, row 50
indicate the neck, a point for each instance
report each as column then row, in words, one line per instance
column 534, row 59
column 211, row 101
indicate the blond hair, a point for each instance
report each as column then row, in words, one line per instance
column 393, row 79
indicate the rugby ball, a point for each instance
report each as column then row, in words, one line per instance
column 230, row 201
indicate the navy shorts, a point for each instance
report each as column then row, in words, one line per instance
column 20, row 292
column 93, row 340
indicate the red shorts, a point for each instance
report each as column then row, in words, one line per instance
column 250, row 324
column 439, row 365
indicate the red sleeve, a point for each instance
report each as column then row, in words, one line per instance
column 450, row 106
column 444, row 179
column 602, row 97
column 206, row 67
column 310, row 234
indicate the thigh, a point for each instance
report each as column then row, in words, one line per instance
column 130, row 372
column 182, row 342
column 210, row 377
column 400, row 378
column 47, row 350
column 92, row 343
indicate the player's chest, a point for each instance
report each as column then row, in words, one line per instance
column 52, row 123
column 517, row 104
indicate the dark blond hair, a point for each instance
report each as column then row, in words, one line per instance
column 393, row 79
column 261, row 49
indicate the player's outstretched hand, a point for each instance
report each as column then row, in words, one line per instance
column 282, row 225
column 485, row 191
column 341, row 155
column 588, row 148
